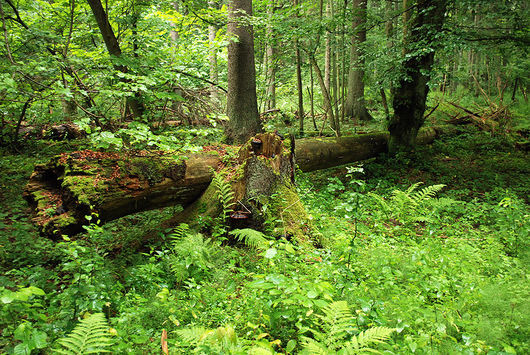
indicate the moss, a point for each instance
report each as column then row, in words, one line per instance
column 288, row 215
column 82, row 187
column 64, row 220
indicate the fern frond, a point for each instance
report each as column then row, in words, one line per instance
column 225, row 195
column 338, row 322
column 192, row 335
column 426, row 193
column 376, row 335
column 413, row 188
column 313, row 347
column 381, row 201
column 180, row 231
column 250, row 237
column 90, row 336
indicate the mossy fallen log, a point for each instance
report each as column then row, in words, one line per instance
column 71, row 186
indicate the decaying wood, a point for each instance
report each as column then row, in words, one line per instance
column 112, row 185
column 487, row 120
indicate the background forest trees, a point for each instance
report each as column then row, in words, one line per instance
column 141, row 61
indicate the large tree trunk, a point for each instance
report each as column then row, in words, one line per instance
column 241, row 103
column 410, row 94
column 113, row 47
column 111, row 185
column 355, row 106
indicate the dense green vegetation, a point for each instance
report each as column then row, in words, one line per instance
column 448, row 270
column 423, row 250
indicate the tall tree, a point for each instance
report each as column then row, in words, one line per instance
column 299, row 86
column 212, row 55
column 270, row 73
column 241, row 102
column 355, row 106
column 410, row 94
column 113, row 47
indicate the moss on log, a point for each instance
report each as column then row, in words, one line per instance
column 112, row 185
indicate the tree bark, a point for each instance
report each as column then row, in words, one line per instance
column 299, row 86
column 112, row 185
column 113, row 47
column 242, row 105
column 212, row 56
column 411, row 92
column 270, row 91
column 355, row 106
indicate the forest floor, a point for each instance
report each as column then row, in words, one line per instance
column 446, row 267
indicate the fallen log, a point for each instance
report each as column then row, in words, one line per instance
column 71, row 186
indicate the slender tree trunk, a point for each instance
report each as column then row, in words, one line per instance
column 174, row 35
column 389, row 34
column 241, row 105
column 270, row 93
column 312, row 98
column 327, row 54
column 325, row 93
column 406, row 19
column 299, row 80
column 333, row 89
column 355, row 105
column 410, row 94
column 212, row 56
column 113, row 47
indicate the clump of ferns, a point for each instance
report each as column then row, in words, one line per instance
column 222, row 340
column 224, row 194
column 409, row 205
column 337, row 333
column 91, row 336
column 190, row 254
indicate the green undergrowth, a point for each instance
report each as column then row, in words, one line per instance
column 424, row 254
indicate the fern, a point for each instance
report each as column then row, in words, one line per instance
column 192, row 335
column 90, row 336
column 376, row 335
column 180, row 231
column 192, row 254
column 404, row 205
column 251, row 237
column 335, row 335
column 225, row 195
column 426, row 193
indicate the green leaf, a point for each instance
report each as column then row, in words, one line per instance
column 291, row 344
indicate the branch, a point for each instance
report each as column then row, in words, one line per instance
column 202, row 79
column 18, row 19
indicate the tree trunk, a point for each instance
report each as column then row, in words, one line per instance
column 299, row 86
column 112, row 185
column 270, row 92
column 355, row 106
column 212, row 57
column 325, row 94
column 113, row 47
column 411, row 92
column 241, row 105
column 327, row 54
